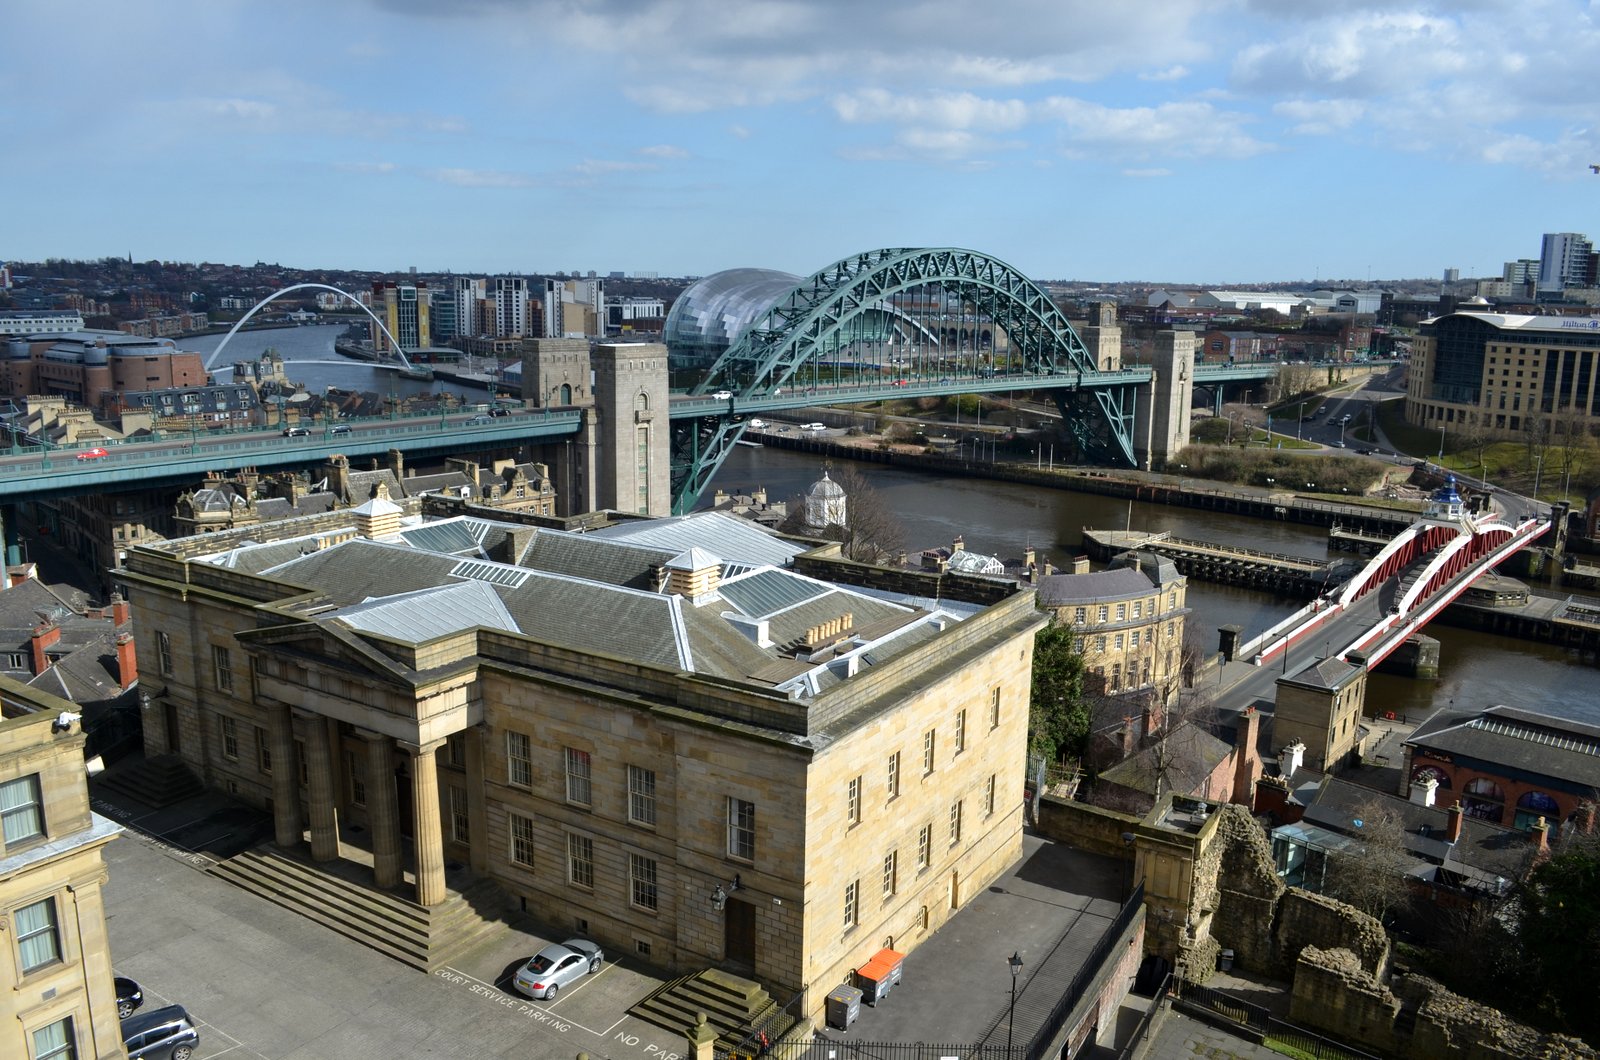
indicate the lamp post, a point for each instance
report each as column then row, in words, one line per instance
column 1015, row 962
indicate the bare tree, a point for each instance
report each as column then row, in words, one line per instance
column 871, row 533
column 1371, row 874
column 1569, row 431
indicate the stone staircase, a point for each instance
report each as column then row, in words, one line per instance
column 425, row 938
column 735, row 1008
column 157, row 782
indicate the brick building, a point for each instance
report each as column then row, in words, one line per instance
column 1507, row 766
column 91, row 368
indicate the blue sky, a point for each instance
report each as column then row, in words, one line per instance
column 1219, row 141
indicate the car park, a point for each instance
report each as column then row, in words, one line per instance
column 339, row 428
column 94, row 454
column 557, row 965
column 129, row 996
column 297, row 432
column 160, row 1034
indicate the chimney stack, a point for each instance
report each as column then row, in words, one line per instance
column 1452, row 827
column 1080, row 565
column 44, row 638
column 121, row 611
column 1291, row 758
column 1246, row 763
column 1422, row 791
column 127, row 661
column 1584, row 818
column 1541, row 838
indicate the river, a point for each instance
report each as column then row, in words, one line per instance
column 1000, row 518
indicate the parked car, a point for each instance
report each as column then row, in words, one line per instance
column 94, row 454
column 758, row 424
column 722, row 395
column 129, row 996
column 339, row 428
column 297, row 432
column 813, row 426
column 160, row 1034
column 557, row 965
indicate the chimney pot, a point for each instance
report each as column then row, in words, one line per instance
column 1453, row 824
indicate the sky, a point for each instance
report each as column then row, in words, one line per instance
column 1201, row 141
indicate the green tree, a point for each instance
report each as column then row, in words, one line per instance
column 1058, row 717
column 1558, row 932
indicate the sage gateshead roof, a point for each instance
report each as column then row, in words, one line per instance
column 711, row 315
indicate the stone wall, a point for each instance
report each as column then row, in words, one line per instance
column 1086, row 827
column 827, row 563
column 1451, row 1026
column 1307, row 920
column 1333, row 993
column 1247, row 890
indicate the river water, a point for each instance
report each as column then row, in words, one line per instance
column 1001, row 518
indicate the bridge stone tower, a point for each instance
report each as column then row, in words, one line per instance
column 633, row 459
column 1102, row 335
column 1161, row 427
column 556, row 372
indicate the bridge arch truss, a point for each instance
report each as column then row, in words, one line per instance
column 809, row 321
column 346, row 295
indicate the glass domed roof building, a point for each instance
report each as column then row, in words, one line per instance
column 713, row 312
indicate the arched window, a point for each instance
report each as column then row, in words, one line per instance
column 1534, row 805
column 642, row 402
column 566, row 393
column 1483, row 799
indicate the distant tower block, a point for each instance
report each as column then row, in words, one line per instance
column 1103, row 337
column 635, row 433
column 1161, row 426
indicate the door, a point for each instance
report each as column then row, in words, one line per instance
column 739, row 935
column 171, row 709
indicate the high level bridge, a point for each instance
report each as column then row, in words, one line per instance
column 1417, row 575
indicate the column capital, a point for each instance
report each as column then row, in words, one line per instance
column 420, row 748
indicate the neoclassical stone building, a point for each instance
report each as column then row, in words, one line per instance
column 667, row 740
column 1129, row 620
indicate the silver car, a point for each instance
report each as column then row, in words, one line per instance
column 556, row 966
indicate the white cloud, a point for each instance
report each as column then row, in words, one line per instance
column 944, row 111
column 663, row 151
column 739, row 132
column 1320, row 117
column 593, row 167
column 480, row 178
column 1167, row 130
column 1171, row 73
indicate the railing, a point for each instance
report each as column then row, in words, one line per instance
column 1136, row 1042
column 829, row 1049
column 1081, row 982
column 1260, row 1022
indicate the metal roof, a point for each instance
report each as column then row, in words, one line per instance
column 450, row 537
column 769, row 591
column 427, row 613
column 729, row 537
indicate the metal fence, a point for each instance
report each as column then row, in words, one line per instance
column 824, row 1049
column 1261, row 1023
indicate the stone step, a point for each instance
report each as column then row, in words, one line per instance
column 734, row 1007
column 417, row 935
column 157, row 782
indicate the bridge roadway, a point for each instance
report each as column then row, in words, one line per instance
column 175, row 458
column 1373, row 624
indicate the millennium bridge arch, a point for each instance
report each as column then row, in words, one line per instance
column 812, row 321
column 346, row 295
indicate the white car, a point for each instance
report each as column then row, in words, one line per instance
column 722, row 395
column 813, row 426
column 758, row 424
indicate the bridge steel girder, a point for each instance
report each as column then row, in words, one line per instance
column 790, row 333
column 1100, row 422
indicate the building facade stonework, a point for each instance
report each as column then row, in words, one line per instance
column 655, row 765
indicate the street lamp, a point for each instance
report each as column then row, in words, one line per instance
column 1016, row 966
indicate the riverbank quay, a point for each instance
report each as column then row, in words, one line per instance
column 1273, row 572
column 1156, row 488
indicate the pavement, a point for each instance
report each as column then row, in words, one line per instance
column 263, row 982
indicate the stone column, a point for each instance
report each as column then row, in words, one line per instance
column 319, row 791
column 383, row 810
column 477, row 809
column 426, row 834
column 286, row 822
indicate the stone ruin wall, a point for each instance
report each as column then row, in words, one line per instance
column 1315, row 921
column 1334, row 993
column 1246, row 889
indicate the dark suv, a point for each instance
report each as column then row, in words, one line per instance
column 161, row 1034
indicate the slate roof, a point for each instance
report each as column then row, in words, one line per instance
column 590, row 594
column 271, row 509
column 1324, row 673
column 1057, row 590
column 1190, row 755
column 1486, row 849
column 1522, row 740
